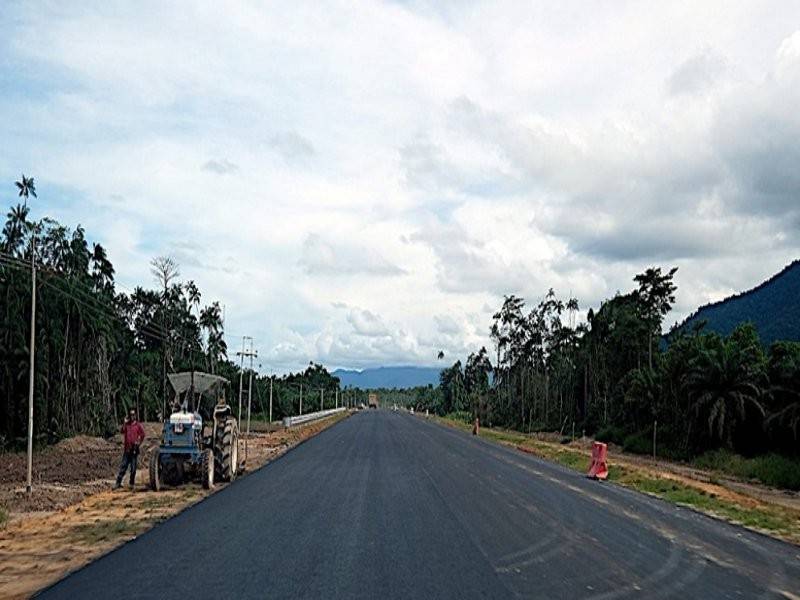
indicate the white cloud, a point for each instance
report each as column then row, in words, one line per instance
column 368, row 324
column 361, row 184
column 220, row 167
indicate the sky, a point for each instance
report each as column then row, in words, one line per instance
column 360, row 183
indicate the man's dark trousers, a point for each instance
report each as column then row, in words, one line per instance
column 129, row 459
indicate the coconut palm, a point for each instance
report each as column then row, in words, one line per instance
column 26, row 188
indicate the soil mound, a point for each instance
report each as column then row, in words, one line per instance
column 85, row 443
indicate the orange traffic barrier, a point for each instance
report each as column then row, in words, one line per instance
column 599, row 468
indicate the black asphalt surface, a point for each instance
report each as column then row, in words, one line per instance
column 389, row 505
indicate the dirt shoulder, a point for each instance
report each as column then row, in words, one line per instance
column 766, row 510
column 70, row 521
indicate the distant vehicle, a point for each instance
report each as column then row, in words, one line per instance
column 412, row 410
column 373, row 400
column 394, row 408
column 361, row 406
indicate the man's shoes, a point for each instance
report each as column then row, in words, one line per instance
column 116, row 485
column 131, row 487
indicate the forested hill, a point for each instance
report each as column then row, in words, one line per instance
column 388, row 377
column 773, row 307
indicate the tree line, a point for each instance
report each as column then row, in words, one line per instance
column 100, row 350
column 617, row 377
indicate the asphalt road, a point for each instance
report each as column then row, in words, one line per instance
column 388, row 505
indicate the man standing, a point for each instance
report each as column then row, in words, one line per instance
column 132, row 436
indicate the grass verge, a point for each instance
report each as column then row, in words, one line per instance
column 103, row 531
column 3, row 517
column 725, row 504
column 771, row 469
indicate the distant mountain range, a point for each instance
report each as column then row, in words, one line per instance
column 773, row 307
column 388, row 377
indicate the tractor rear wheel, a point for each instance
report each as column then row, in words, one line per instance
column 207, row 469
column 226, row 450
column 155, row 470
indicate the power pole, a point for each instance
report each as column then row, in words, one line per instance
column 241, row 372
column 301, row 399
column 242, row 355
column 322, row 399
column 33, row 353
column 253, row 353
column 270, row 398
column 249, row 399
column 336, row 397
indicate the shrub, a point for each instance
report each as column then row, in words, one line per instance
column 612, row 434
column 638, row 443
column 771, row 469
column 461, row 415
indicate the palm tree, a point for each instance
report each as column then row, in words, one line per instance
column 26, row 188
column 14, row 229
column 723, row 383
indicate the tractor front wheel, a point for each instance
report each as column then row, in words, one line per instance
column 207, row 469
column 155, row 470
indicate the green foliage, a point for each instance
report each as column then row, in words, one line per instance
column 771, row 469
column 638, row 443
column 100, row 351
column 611, row 434
column 461, row 416
column 701, row 392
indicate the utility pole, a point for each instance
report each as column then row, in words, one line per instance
column 322, row 399
column 242, row 355
column 28, row 487
column 301, row 399
column 270, row 398
column 253, row 353
column 241, row 372
column 336, row 396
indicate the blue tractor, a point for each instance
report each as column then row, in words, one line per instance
column 200, row 439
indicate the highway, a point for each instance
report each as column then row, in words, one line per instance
column 389, row 505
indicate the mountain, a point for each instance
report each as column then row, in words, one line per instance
column 773, row 307
column 388, row 377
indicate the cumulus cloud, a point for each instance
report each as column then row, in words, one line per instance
column 366, row 323
column 372, row 179
column 325, row 257
column 220, row 167
column 696, row 74
column 292, row 146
